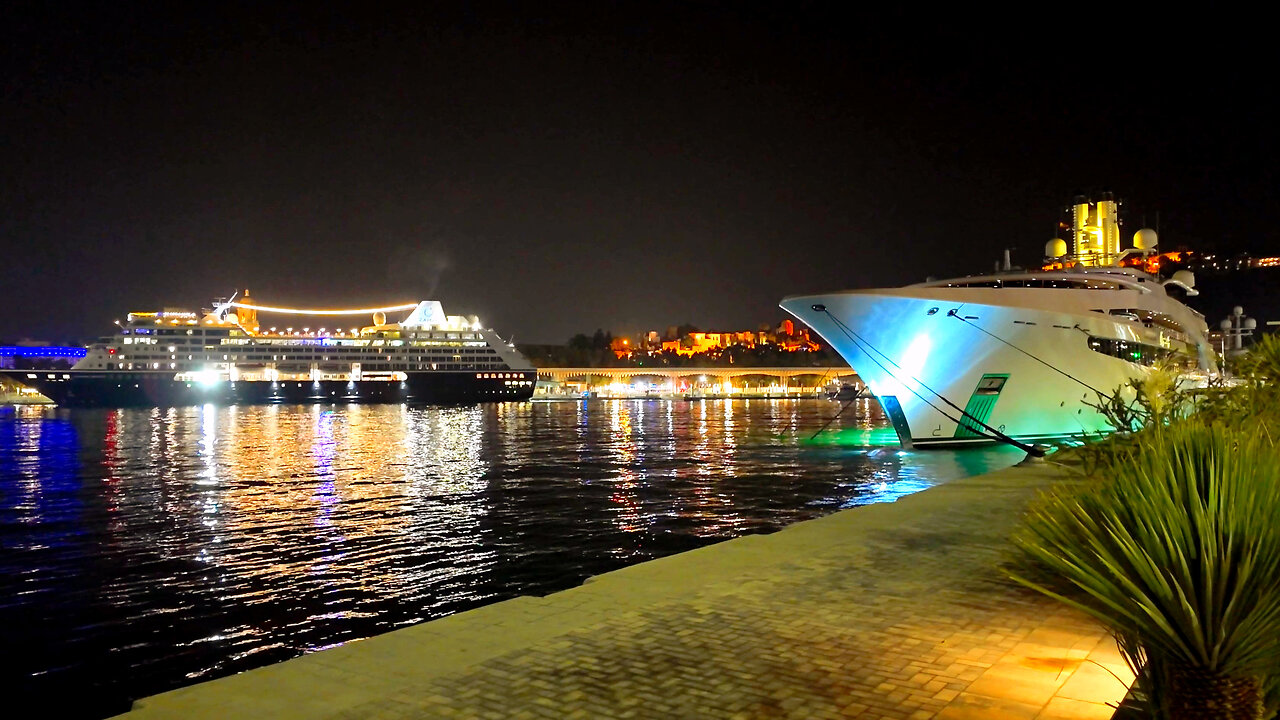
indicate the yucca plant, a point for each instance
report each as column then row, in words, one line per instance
column 1176, row 547
column 1259, row 371
column 1158, row 399
column 1262, row 362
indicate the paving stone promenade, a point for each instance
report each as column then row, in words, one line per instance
column 888, row 611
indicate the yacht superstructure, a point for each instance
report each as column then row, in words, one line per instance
column 1021, row 354
column 224, row 355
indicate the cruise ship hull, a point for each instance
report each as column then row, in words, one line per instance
column 79, row 388
column 1028, row 373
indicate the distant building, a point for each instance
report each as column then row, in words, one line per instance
column 786, row 338
column 621, row 347
column 33, row 355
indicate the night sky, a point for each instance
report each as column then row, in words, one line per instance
column 558, row 168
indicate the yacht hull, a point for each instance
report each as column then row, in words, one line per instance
column 1028, row 373
column 79, row 388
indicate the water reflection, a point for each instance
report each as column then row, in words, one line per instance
column 145, row 549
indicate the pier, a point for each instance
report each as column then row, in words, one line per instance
column 719, row 381
column 895, row 610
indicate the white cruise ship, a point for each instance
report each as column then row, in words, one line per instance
column 1016, row 354
column 224, row 355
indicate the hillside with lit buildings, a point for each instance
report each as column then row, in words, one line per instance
column 786, row 338
column 787, row 344
column 1223, row 281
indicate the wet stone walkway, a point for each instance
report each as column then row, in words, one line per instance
column 888, row 611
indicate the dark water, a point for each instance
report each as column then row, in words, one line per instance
column 143, row 550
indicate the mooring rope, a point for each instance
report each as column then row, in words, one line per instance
column 954, row 314
column 994, row 433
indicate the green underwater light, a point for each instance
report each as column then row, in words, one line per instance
column 857, row 437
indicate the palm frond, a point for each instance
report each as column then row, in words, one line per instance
column 1178, row 544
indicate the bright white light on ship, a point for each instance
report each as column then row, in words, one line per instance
column 206, row 377
column 917, row 354
column 908, row 368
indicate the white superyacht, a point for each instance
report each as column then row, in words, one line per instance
column 1017, row 355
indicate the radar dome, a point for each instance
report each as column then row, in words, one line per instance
column 1145, row 239
column 1055, row 248
column 379, row 318
column 1186, row 277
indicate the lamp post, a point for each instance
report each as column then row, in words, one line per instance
column 1234, row 330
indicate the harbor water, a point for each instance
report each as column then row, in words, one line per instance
column 146, row 549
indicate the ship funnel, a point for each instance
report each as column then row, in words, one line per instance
column 428, row 313
column 1096, row 231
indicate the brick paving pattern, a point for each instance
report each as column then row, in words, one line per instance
column 846, row 642
column 909, row 620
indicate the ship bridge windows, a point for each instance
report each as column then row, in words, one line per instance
column 1038, row 282
column 1136, row 352
column 1095, row 284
